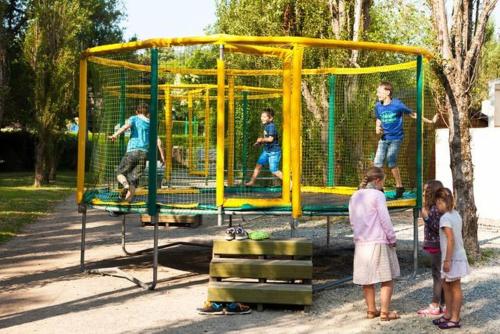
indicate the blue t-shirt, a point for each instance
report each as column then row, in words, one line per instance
column 391, row 116
column 139, row 134
column 270, row 131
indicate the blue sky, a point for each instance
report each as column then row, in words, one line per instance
column 167, row 18
column 180, row 18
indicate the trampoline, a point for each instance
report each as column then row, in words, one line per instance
column 205, row 96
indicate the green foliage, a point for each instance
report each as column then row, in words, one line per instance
column 488, row 68
column 397, row 22
column 21, row 204
column 51, row 48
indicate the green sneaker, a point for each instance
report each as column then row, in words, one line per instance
column 258, row 235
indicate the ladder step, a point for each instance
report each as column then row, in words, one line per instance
column 291, row 247
column 257, row 268
column 267, row 293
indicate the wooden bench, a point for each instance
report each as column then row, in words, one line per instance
column 262, row 272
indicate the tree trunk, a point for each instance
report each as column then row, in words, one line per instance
column 3, row 79
column 41, row 152
column 462, row 169
column 52, row 160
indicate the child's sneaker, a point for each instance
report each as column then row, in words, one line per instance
column 430, row 311
column 123, row 193
column 241, row 234
column 211, row 308
column 230, row 234
column 130, row 194
column 237, row 308
column 399, row 192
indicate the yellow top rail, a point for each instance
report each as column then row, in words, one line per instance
column 282, row 41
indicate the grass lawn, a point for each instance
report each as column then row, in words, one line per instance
column 22, row 204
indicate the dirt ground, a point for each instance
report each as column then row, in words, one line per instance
column 43, row 291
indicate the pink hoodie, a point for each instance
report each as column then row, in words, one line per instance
column 370, row 218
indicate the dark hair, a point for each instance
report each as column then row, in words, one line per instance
column 143, row 108
column 446, row 196
column 269, row 111
column 372, row 174
column 387, row 86
column 430, row 193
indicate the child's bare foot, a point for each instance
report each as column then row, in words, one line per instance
column 250, row 183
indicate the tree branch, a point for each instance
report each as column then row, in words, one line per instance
column 441, row 25
column 311, row 103
column 478, row 39
column 334, row 20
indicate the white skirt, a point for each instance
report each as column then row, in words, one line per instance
column 459, row 269
column 374, row 263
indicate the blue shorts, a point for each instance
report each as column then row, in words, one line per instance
column 270, row 158
column 387, row 149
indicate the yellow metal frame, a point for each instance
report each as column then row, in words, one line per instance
column 168, row 134
column 284, row 41
column 190, row 135
column 82, row 131
column 230, row 134
column 290, row 50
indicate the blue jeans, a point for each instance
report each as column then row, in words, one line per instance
column 270, row 158
column 387, row 149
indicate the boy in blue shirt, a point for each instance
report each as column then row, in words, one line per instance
column 133, row 162
column 389, row 124
column 271, row 152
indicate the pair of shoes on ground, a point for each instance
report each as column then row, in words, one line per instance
column 219, row 309
column 444, row 323
column 237, row 233
column 431, row 310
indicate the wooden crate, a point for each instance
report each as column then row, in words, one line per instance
column 173, row 220
column 262, row 272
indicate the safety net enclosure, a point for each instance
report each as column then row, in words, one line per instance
column 205, row 96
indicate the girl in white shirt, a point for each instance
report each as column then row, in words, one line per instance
column 454, row 264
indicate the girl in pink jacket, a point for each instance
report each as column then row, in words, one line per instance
column 375, row 259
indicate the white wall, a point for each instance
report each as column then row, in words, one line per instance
column 486, row 159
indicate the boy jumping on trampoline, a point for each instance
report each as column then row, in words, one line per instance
column 389, row 124
column 271, row 152
column 133, row 162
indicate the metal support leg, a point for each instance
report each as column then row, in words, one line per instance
column 155, row 253
column 230, row 220
column 327, row 231
column 220, row 217
column 124, row 231
column 83, row 210
column 293, row 224
column 415, row 242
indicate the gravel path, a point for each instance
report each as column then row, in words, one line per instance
column 42, row 290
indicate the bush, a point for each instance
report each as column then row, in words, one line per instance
column 18, row 151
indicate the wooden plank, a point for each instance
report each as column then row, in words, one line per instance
column 268, row 293
column 184, row 219
column 289, row 247
column 256, row 268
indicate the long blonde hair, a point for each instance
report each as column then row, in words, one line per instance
column 372, row 174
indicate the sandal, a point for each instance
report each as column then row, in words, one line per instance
column 440, row 320
column 449, row 324
column 388, row 316
column 372, row 314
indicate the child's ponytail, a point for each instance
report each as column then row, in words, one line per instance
column 364, row 182
column 372, row 174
